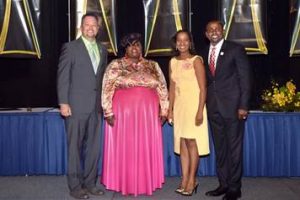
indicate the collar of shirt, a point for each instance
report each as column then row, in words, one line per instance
column 88, row 44
column 217, row 46
column 91, row 46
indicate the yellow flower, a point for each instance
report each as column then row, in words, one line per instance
column 291, row 87
column 281, row 98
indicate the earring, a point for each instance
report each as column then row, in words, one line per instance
column 176, row 48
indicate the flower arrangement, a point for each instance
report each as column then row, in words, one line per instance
column 281, row 98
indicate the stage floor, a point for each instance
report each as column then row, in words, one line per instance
column 55, row 187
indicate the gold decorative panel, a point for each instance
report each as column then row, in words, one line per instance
column 244, row 23
column 19, row 23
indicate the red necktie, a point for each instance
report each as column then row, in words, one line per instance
column 212, row 60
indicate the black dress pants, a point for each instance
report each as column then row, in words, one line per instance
column 228, row 134
column 83, row 136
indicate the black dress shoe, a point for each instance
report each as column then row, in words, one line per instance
column 94, row 191
column 217, row 192
column 230, row 195
column 79, row 194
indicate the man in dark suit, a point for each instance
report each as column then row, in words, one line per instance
column 79, row 81
column 228, row 92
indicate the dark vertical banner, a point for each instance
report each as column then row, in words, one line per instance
column 244, row 22
column 107, row 10
column 163, row 18
column 20, row 28
column 295, row 27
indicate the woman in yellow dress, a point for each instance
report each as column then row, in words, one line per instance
column 187, row 110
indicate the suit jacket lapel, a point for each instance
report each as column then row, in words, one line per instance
column 221, row 57
column 85, row 53
column 101, row 57
column 205, row 57
column 206, row 52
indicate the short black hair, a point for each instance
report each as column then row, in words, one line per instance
column 128, row 40
column 90, row 14
column 215, row 21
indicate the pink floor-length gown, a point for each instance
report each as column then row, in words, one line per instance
column 133, row 157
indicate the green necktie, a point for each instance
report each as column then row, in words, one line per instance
column 93, row 54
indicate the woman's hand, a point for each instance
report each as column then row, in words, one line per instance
column 162, row 119
column 110, row 120
column 170, row 117
column 199, row 118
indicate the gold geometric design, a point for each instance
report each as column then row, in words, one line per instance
column 82, row 8
column 295, row 49
column 109, row 31
column 149, row 36
column 177, row 15
column 27, row 26
column 227, row 25
column 259, row 39
column 150, row 26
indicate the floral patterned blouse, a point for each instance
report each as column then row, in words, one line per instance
column 122, row 73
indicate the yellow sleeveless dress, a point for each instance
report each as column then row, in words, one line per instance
column 186, row 103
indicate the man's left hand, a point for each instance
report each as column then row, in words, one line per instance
column 242, row 114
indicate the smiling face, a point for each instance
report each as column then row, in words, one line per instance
column 183, row 42
column 214, row 32
column 134, row 50
column 89, row 27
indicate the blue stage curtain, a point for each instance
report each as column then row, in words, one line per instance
column 272, row 144
column 35, row 143
column 32, row 143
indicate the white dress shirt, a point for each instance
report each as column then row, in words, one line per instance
column 217, row 51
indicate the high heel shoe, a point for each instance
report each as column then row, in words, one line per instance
column 190, row 193
column 179, row 190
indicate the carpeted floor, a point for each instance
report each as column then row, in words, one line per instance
column 55, row 187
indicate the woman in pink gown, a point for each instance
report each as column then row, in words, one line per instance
column 135, row 102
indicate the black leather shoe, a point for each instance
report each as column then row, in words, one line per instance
column 230, row 195
column 94, row 191
column 217, row 192
column 79, row 194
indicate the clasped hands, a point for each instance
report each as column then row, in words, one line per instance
column 111, row 120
